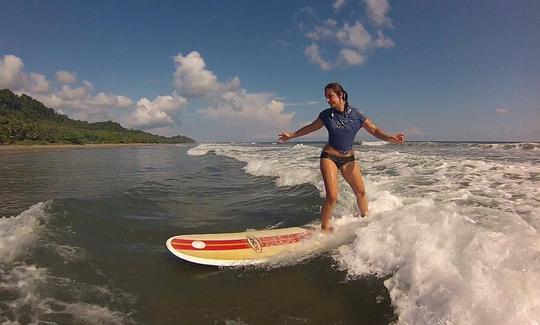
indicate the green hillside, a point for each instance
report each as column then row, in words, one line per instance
column 24, row 120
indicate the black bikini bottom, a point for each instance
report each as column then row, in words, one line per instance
column 339, row 161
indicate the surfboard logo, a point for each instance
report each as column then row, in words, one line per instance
column 198, row 244
column 254, row 243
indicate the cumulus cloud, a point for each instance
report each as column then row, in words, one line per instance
column 229, row 104
column 83, row 98
column 11, row 73
column 226, row 102
column 12, row 76
column 338, row 4
column 353, row 41
column 383, row 41
column 38, row 83
column 80, row 102
column 377, row 11
column 354, row 35
column 351, row 57
column 161, row 112
column 313, row 55
column 249, row 111
column 192, row 78
column 66, row 77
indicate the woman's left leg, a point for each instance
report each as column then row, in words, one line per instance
column 352, row 174
column 329, row 173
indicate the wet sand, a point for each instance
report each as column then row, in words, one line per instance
column 24, row 148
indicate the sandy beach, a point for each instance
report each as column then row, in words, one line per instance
column 23, row 148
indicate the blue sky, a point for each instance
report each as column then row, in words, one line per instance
column 244, row 70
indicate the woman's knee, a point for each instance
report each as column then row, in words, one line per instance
column 360, row 192
column 331, row 199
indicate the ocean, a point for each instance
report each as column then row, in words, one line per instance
column 452, row 236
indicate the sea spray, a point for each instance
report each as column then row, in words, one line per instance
column 453, row 227
column 446, row 268
column 19, row 235
column 27, row 289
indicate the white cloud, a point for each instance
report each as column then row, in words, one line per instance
column 351, row 57
column 378, row 11
column 66, row 77
column 502, row 111
column 80, row 102
column 38, row 83
column 191, row 77
column 76, row 101
column 313, row 54
column 382, row 41
column 11, row 73
column 109, row 100
column 83, row 98
column 12, row 76
column 159, row 113
column 252, row 112
column 354, row 43
column 355, row 36
column 311, row 102
column 325, row 31
column 229, row 104
column 338, row 4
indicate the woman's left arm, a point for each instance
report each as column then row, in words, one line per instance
column 378, row 133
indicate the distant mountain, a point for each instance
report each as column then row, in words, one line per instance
column 24, row 120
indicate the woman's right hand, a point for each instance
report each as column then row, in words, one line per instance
column 284, row 136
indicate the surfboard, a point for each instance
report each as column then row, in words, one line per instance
column 241, row 248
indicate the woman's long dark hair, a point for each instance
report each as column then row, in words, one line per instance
column 338, row 89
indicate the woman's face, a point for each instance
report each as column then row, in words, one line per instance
column 333, row 99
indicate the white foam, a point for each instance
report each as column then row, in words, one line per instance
column 448, row 269
column 23, row 299
column 198, row 150
column 458, row 235
column 18, row 233
column 70, row 253
column 318, row 243
column 374, row 143
column 93, row 314
column 508, row 146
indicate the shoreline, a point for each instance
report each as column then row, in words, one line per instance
column 21, row 148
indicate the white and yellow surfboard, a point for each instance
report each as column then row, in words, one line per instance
column 242, row 248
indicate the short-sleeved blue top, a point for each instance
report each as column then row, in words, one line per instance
column 342, row 127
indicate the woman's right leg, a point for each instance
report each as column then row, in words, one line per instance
column 353, row 175
column 329, row 173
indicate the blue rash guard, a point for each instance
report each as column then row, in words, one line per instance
column 342, row 127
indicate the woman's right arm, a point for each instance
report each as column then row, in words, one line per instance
column 285, row 136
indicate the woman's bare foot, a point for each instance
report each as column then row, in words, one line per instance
column 327, row 229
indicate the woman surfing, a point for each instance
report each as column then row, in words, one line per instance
column 342, row 122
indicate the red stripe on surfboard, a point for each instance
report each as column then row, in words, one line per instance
column 210, row 248
column 271, row 240
column 209, row 242
column 231, row 244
